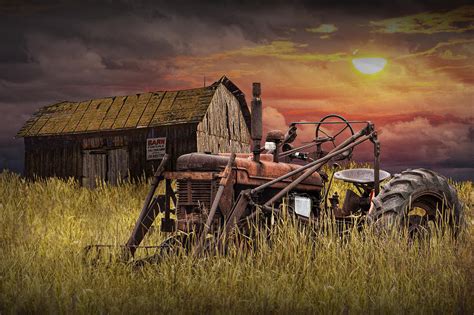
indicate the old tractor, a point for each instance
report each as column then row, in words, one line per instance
column 219, row 193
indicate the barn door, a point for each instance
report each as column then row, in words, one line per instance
column 94, row 167
column 117, row 165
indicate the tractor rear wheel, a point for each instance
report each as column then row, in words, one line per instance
column 420, row 201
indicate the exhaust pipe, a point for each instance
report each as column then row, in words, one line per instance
column 256, row 122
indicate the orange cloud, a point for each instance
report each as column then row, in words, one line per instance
column 278, row 49
column 273, row 119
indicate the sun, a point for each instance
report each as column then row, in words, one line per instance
column 369, row 65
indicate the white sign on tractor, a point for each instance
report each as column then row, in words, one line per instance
column 155, row 148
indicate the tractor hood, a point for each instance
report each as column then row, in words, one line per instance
column 249, row 171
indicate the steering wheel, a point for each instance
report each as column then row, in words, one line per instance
column 331, row 135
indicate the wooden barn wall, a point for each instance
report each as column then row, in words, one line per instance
column 52, row 156
column 223, row 128
column 62, row 156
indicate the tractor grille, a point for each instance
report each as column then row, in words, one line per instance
column 195, row 192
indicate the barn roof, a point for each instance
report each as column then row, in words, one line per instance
column 128, row 112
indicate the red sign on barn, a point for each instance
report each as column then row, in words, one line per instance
column 155, row 148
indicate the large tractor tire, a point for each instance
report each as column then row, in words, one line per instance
column 420, row 201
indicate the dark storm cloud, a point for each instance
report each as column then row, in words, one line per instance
column 72, row 50
column 13, row 48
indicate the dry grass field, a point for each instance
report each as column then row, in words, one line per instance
column 44, row 226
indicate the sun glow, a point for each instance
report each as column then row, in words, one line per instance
column 369, row 65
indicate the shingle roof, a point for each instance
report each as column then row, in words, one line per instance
column 128, row 112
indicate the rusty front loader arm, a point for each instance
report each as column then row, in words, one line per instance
column 376, row 143
column 147, row 214
column 222, row 185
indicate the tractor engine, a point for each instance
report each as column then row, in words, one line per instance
column 198, row 177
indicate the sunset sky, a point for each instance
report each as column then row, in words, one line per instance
column 422, row 101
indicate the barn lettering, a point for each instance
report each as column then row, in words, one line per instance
column 155, row 148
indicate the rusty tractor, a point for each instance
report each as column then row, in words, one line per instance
column 219, row 193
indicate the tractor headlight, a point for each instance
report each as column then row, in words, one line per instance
column 302, row 206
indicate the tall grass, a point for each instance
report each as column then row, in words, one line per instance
column 45, row 225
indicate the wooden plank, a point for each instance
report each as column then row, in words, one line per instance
column 76, row 116
column 187, row 105
column 137, row 110
column 58, row 117
column 54, row 107
column 25, row 129
column 164, row 112
column 192, row 105
column 102, row 109
column 118, row 166
column 112, row 113
column 94, row 168
column 196, row 92
column 90, row 115
column 38, row 125
column 41, row 117
column 118, row 141
column 125, row 111
column 78, row 161
column 182, row 106
column 93, row 143
column 71, row 109
column 150, row 109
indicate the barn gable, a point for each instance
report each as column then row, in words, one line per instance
column 223, row 127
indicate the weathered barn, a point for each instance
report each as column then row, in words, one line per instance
column 116, row 137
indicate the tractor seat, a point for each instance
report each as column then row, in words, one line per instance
column 360, row 175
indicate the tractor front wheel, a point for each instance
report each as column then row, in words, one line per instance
column 420, row 201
